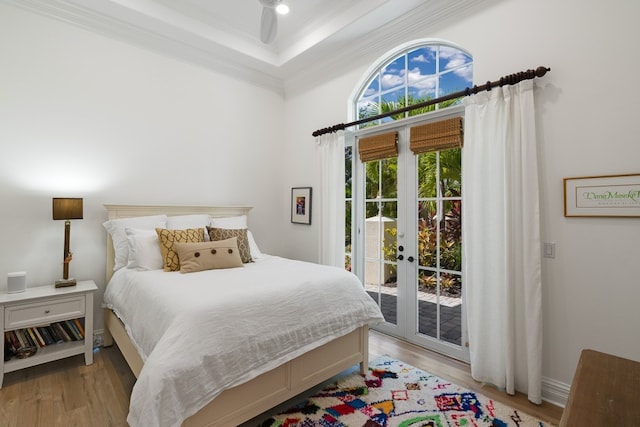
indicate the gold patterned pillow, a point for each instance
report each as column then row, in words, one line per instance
column 167, row 238
column 240, row 233
column 208, row 255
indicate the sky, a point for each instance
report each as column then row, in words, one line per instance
column 428, row 71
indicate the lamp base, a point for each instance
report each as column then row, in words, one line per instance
column 62, row 283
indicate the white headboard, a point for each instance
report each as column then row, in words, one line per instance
column 130, row 211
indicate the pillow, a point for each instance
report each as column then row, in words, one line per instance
column 182, row 222
column 208, row 255
column 241, row 234
column 116, row 228
column 168, row 237
column 144, row 249
column 230, row 222
column 256, row 253
column 237, row 222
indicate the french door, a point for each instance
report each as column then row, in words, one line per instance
column 407, row 239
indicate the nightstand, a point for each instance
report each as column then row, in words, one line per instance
column 42, row 306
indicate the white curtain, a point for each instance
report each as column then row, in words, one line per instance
column 502, row 239
column 331, row 160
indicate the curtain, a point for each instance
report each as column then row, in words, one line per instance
column 502, row 267
column 331, row 157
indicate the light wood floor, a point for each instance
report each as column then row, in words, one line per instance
column 68, row 393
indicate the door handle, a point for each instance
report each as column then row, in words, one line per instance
column 411, row 259
column 400, row 257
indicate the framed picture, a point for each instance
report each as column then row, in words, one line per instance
column 301, row 205
column 605, row 196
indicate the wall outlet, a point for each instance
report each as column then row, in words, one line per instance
column 98, row 339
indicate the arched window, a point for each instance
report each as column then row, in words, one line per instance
column 413, row 73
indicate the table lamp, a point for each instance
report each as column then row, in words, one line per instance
column 66, row 209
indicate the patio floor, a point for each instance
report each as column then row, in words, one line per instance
column 450, row 313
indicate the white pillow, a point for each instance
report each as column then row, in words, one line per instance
column 116, row 228
column 144, row 249
column 253, row 246
column 183, row 222
column 235, row 223
column 230, row 222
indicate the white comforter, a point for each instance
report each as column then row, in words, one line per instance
column 200, row 333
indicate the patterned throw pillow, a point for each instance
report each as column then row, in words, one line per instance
column 240, row 233
column 208, row 255
column 167, row 238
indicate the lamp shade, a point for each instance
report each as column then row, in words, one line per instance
column 67, row 208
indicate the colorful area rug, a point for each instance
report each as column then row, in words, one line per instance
column 394, row 393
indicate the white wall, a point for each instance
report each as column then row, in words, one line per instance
column 591, row 289
column 82, row 115
column 85, row 116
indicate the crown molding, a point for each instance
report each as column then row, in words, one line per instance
column 182, row 46
column 209, row 47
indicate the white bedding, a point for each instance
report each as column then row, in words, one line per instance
column 200, row 333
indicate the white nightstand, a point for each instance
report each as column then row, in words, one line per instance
column 43, row 305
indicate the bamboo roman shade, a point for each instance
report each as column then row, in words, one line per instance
column 378, row 147
column 436, row 136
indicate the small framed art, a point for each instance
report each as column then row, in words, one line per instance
column 301, row 205
column 604, row 196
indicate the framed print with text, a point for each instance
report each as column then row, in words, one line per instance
column 605, row 196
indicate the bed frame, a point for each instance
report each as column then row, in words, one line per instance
column 246, row 401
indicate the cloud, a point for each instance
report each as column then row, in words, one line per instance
column 452, row 57
column 389, row 80
column 422, row 58
column 466, row 73
column 369, row 92
column 424, row 87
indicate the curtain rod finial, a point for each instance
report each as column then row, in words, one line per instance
column 541, row 71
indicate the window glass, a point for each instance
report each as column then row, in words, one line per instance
column 417, row 75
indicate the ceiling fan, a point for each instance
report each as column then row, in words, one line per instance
column 269, row 19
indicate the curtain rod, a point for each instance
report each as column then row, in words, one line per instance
column 511, row 79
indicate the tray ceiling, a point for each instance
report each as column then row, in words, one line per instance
column 224, row 35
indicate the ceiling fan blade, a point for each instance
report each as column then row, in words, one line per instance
column 268, row 25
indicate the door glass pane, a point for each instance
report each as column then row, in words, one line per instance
column 451, row 308
column 380, row 235
column 450, row 169
column 380, row 264
column 427, row 234
column 372, row 183
column 451, row 237
column 427, row 165
column 389, row 178
column 347, row 235
column 427, row 303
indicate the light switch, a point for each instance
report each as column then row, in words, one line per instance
column 549, row 250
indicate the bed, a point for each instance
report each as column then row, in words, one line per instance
column 260, row 386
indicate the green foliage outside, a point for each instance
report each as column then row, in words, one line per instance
column 381, row 183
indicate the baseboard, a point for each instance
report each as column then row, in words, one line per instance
column 555, row 392
column 98, row 338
